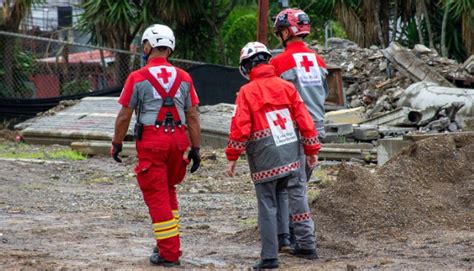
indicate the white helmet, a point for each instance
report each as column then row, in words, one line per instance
column 247, row 56
column 159, row 35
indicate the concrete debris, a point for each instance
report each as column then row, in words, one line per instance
column 366, row 133
column 370, row 74
column 444, row 119
column 403, row 116
column 469, row 65
column 424, row 95
column 412, row 66
column 338, row 43
column 421, row 49
column 352, row 115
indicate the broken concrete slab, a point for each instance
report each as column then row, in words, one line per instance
column 469, row 65
column 366, row 133
column 393, row 131
column 403, row 116
column 93, row 119
column 426, row 95
column 102, row 147
column 352, row 115
column 343, row 154
column 339, row 128
column 422, row 49
column 389, row 147
column 413, row 67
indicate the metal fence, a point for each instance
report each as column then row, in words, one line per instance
column 34, row 67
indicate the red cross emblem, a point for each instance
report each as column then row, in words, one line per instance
column 280, row 121
column 164, row 75
column 306, row 63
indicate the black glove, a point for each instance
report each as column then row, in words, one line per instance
column 194, row 155
column 115, row 150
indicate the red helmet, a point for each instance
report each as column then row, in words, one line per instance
column 296, row 20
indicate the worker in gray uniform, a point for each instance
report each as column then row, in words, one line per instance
column 269, row 113
column 306, row 70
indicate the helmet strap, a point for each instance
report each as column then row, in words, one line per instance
column 284, row 41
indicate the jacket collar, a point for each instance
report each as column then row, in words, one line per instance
column 295, row 45
column 262, row 70
column 155, row 61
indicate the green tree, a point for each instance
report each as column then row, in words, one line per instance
column 114, row 23
column 461, row 11
column 11, row 15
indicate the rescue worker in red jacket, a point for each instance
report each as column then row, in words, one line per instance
column 164, row 99
column 304, row 68
column 269, row 113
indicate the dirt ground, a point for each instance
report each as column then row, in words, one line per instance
column 89, row 214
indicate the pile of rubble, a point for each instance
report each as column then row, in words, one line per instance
column 373, row 78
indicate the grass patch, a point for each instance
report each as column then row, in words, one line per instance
column 248, row 222
column 322, row 175
column 313, row 194
column 24, row 151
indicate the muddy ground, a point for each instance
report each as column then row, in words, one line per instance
column 62, row 213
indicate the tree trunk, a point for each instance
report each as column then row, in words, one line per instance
column 418, row 28
column 395, row 22
column 468, row 32
column 378, row 25
column 7, row 45
column 444, row 24
column 424, row 11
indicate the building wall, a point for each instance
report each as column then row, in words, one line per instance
column 44, row 16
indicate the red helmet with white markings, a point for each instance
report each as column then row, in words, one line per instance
column 295, row 20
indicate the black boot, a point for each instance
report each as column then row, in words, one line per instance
column 266, row 264
column 284, row 244
column 155, row 250
column 304, row 253
column 155, row 259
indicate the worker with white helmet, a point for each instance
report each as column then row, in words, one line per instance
column 164, row 99
column 269, row 123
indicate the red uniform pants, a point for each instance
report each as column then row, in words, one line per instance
column 161, row 166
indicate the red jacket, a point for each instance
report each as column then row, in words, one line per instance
column 268, row 110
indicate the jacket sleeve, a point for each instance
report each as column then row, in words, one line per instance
column 240, row 128
column 309, row 135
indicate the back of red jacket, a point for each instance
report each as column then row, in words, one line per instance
column 269, row 118
column 307, row 71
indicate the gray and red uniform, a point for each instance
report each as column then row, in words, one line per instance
column 161, row 162
column 307, row 71
column 269, row 112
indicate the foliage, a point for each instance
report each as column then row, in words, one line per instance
column 239, row 28
column 23, row 67
column 368, row 22
column 76, row 86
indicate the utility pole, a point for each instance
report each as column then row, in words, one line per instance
column 262, row 22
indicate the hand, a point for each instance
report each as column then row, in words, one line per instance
column 230, row 170
column 312, row 160
column 195, row 157
column 115, row 150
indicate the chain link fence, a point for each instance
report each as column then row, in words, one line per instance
column 34, row 67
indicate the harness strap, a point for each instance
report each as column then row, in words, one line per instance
column 168, row 110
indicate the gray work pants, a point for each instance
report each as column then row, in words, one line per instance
column 303, row 224
column 273, row 214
